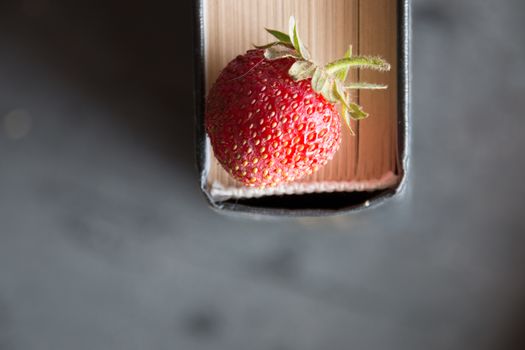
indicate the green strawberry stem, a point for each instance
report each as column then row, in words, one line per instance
column 328, row 80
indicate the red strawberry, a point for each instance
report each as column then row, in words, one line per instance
column 271, row 116
column 266, row 128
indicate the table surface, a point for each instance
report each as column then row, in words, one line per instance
column 106, row 242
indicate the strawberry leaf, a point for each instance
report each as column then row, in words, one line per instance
column 375, row 63
column 319, row 79
column 278, row 51
column 356, row 112
column 347, row 119
column 343, row 73
column 282, row 37
column 323, row 83
column 302, row 70
column 328, row 91
column 340, row 94
column 296, row 41
column 267, row 45
column 365, row 86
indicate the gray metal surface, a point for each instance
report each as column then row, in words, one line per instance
column 106, row 242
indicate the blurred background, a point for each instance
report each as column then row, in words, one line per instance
column 107, row 243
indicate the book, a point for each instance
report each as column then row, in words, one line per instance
column 370, row 160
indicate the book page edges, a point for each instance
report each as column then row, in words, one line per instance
column 220, row 192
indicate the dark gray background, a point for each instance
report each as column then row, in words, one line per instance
column 106, row 242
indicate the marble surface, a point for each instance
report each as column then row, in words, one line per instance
column 106, row 242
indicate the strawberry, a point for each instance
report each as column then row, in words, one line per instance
column 271, row 116
column 266, row 128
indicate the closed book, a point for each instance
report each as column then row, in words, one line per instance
column 370, row 164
